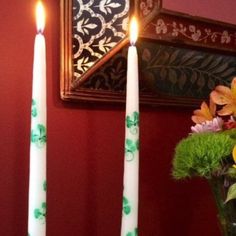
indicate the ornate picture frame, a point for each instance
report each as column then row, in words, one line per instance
column 181, row 57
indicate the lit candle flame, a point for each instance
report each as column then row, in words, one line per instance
column 40, row 16
column 133, row 30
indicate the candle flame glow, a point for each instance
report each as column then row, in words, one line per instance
column 133, row 29
column 40, row 16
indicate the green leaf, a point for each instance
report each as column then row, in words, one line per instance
column 231, row 193
column 137, row 144
column 40, row 214
column 38, row 135
column 45, row 185
column 125, row 201
column 132, row 120
column 34, row 111
column 130, row 148
column 126, row 206
column 127, row 209
column 130, row 145
column 231, row 172
column 37, row 213
column 44, row 205
column 134, row 233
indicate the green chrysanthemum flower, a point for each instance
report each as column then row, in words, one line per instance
column 201, row 154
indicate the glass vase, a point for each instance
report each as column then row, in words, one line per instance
column 226, row 210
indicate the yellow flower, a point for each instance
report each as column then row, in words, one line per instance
column 225, row 96
column 206, row 113
column 234, row 156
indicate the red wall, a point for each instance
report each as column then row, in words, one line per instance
column 213, row 9
column 85, row 150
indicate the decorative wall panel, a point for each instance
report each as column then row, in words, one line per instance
column 98, row 26
column 181, row 58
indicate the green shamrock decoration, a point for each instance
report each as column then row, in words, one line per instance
column 130, row 148
column 132, row 122
column 126, row 206
column 40, row 214
column 38, row 135
column 134, row 233
column 34, row 111
column 45, row 185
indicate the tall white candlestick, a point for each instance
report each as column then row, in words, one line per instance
column 37, row 178
column 129, row 225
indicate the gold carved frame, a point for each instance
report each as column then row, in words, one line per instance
column 167, row 40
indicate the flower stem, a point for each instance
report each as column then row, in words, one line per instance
column 216, row 187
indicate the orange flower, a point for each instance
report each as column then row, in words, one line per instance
column 205, row 113
column 225, row 96
column 234, row 156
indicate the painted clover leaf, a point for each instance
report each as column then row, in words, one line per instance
column 130, row 148
column 134, row 233
column 45, row 185
column 38, row 135
column 34, row 111
column 40, row 213
column 137, row 144
column 126, row 206
column 132, row 122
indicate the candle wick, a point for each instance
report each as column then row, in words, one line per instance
column 40, row 31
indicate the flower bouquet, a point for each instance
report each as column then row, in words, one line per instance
column 210, row 151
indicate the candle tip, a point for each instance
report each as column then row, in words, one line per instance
column 133, row 30
column 40, row 16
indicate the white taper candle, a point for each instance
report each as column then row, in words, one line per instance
column 129, row 225
column 37, row 177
